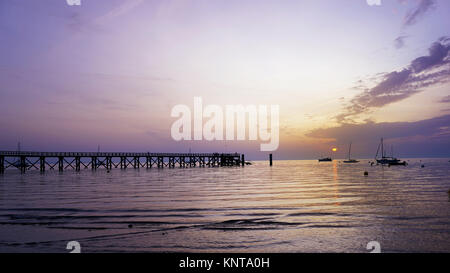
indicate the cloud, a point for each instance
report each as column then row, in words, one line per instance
column 399, row 42
column 445, row 99
column 399, row 85
column 370, row 129
column 430, row 137
column 122, row 9
column 437, row 56
column 412, row 17
column 415, row 14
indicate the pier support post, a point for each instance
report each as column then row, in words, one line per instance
column 23, row 165
column 270, row 159
column 2, row 164
column 77, row 163
column 243, row 160
column 61, row 163
column 42, row 164
column 94, row 162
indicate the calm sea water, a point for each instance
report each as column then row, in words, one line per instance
column 294, row 206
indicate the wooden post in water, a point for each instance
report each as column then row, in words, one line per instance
column 23, row 164
column 243, row 160
column 60, row 163
column 94, row 163
column 270, row 159
column 77, row 163
column 2, row 164
column 42, row 164
column 160, row 162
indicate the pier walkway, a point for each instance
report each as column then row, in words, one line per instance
column 93, row 160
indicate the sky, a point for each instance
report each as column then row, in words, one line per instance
column 108, row 73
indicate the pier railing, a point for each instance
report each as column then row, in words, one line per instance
column 26, row 160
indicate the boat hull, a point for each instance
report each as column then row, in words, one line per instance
column 325, row 160
column 391, row 162
column 403, row 163
column 351, row 161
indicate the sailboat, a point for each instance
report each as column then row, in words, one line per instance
column 349, row 158
column 387, row 160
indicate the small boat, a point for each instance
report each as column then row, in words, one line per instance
column 325, row 159
column 349, row 158
column 248, row 163
column 387, row 160
column 398, row 163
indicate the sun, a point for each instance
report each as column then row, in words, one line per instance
column 334, row 149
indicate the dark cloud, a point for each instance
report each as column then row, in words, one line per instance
column 399, row 42
column 445, row 99
column 430, row 137
column 437, row 56
column 370, row 129
column 399, row 85
column 413, row 15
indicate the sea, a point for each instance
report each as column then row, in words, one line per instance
column 293, row 206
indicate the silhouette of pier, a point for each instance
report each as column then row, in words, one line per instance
column 61, row 161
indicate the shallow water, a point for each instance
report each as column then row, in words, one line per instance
column 294, row 206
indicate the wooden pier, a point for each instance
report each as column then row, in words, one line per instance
column 61, row 161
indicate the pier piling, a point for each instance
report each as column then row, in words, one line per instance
column 77, row 163
column 2, row 164
column 270, row 159
column 42, row 164
column 60, row 163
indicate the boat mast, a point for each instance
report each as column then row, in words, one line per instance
column 349, row 150
column 378, row 149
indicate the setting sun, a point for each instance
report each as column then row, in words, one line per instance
column 334, row 149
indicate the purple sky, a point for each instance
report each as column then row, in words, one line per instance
column 108, row 73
